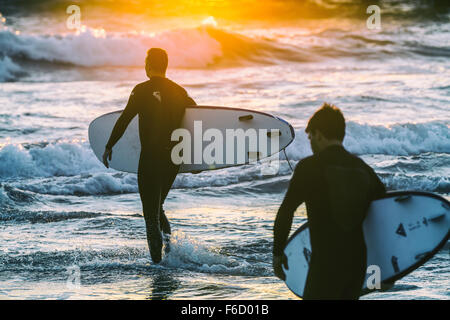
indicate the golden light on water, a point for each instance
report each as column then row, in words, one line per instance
column 229, row 10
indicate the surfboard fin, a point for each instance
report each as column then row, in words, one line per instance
column 437, row 217
column 421, row 255
column 246, row 117
column 403, row 198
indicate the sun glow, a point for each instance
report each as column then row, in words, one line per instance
column 210, row 21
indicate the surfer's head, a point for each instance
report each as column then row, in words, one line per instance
column 156, row 62
column 326, row 127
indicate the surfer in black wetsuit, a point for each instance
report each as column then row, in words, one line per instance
column 160, row 104
column 337, row 188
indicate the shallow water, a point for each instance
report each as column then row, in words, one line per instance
column 62, row 212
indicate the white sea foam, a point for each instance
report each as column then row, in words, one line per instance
column 68, row 159
column 92, row 47
column 60, row 159
column 191, row 254
column 8, row 69
column 74, row 169
column 398, row 139
column 199, row 47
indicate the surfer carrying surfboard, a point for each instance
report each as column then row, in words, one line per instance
column 337, row 188
column 160, row 104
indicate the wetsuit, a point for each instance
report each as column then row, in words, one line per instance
column 337, row 188
column 160, row 104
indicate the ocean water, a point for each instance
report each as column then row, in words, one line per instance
column 72, row 229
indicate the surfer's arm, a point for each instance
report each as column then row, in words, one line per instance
column 190, row 101
column 187, row 100
column 379, row 189
column 295, row 195
column 121, row 125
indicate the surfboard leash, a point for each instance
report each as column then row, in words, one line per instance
column 289, row 163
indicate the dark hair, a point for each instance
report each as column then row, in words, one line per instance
column 157, row 59
column 329, row 120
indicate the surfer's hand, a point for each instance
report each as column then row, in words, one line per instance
column 107, row 155
column 278, row 261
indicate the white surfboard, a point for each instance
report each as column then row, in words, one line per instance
column 402, row 231
column 204, row 124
